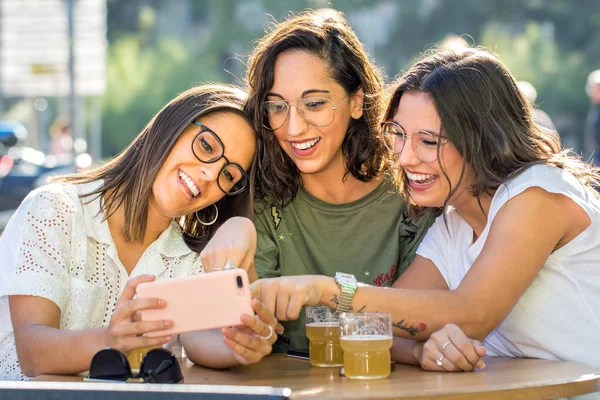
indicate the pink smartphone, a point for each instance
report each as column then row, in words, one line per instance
column 206, row 301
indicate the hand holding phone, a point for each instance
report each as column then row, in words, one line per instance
column 123, row 333
column 205, row 301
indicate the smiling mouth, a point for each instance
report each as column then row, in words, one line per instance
column 305, row 145
column 421, row 179
column 189, row 183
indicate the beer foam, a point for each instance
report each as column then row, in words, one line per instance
column 365, row 337
column 323, row 325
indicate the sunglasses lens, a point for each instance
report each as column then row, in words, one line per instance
column 160, row 366
column 110, row 364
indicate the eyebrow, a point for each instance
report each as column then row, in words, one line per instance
column 418, row 130
column 308, row 91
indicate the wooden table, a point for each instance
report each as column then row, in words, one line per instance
column 502, row 378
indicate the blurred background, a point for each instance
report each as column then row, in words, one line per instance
column 80, row 78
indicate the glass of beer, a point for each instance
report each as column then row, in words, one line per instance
column 136, row 356
column 323, row 331
column 366, row 339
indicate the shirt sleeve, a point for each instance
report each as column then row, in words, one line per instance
column 39, row 239
column 267, row 252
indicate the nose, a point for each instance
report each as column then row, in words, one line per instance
column 406, row 156
column 296, row 123
column 211, row 171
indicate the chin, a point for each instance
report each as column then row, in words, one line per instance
column 309, row 167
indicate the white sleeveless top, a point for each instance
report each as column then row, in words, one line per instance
column 57, row 246
column 558, row 316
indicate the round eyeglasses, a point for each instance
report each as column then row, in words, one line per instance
column 425, row 144
column 317, row 111
column 208, row 148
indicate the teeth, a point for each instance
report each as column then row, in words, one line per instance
column 418, row 177
column 190, row 184
column 306, row 145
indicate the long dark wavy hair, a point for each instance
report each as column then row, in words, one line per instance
column 486, row 118
column 327, row 35
column 128, row 178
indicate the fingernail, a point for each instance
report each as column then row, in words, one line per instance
column 162, row 303
column 168, row 324
column 480, row 364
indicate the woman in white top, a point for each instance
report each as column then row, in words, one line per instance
column 515, row 257
column 175, row 203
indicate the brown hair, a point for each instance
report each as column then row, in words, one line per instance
column 327, row 35
column 128, row 178
column 486, row 118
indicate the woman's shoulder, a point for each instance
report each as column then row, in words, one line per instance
column 548, row 177
column 448, row 223
column 58, row 196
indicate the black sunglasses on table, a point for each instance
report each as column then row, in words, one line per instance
column 158, row 366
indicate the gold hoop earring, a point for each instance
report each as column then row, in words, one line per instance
column 213, row 220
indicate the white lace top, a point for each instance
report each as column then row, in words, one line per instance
column 57, row 246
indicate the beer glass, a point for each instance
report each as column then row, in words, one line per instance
column 136, row 356
column 323, row 331
column 366, row 339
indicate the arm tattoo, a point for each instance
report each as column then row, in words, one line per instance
column 411, row 329
column 334, row 299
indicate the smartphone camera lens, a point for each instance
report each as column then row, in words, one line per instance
column 239, row 282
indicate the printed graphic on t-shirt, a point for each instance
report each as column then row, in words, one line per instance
column 386, row 278
column 410, row 231
column 276, row 216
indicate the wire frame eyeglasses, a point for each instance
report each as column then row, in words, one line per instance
column 208, row 148
column 317, row 111
column 424, row 143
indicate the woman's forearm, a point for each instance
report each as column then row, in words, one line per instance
column 46, row 350
column 403, row 351
column 206, row 348
column 416, row 314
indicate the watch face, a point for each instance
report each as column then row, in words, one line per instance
column 344, row 278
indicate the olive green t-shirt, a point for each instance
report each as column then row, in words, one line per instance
column 372, row 238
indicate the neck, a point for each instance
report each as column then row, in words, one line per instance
column 155, row 224
column 330, row 186
column 474, row 213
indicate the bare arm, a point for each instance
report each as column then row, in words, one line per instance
column 44, row 348
column 521, row 238
column 227, row 347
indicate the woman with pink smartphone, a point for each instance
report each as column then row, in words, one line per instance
column 174, row 203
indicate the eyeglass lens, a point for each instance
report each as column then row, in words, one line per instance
column 160, row 366
column 208, row 148
column 317, row 111
column 424, row 143
column 110, row 364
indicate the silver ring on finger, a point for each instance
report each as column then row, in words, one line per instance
column 228, row 265
column 270, row 335
column 439, row 360
column 445, row 344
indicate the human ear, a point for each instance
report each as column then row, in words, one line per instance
column 356, row 104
